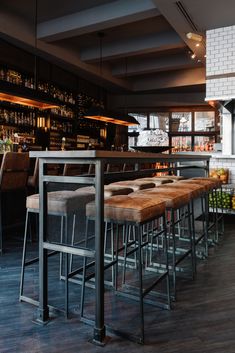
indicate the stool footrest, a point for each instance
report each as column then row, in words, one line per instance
column 69, row 249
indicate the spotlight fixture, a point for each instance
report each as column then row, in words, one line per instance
column 194, row 36
column 193, row 56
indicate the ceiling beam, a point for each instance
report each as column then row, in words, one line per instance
column 171, row 79
column 155, row 64
column 17, row 31
column 150, row 43
column 96, row 19
column 182, row 26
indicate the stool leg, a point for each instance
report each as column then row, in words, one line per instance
column 116, row 259
column 191, row 231
column 72, row 242
column 23, row 256
column 139, row 237
column 61, row 240
column 105, row 235
column 172, row 226
column 66, row 269
column 204, row 226
column 1, row 226
column 165, row 248
column 125, row 240
column 84, row 273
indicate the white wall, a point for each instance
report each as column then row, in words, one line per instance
column 220, row 63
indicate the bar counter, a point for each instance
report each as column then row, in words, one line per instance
column 99, row 159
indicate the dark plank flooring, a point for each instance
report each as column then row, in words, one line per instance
column 201, row 321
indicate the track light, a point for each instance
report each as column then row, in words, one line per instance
column 194, row 36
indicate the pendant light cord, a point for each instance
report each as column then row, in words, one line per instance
column 35, row 43
column 101, row 36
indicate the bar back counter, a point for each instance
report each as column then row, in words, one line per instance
column 99, row 159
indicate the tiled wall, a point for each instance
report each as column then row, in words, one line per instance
column 227, row 163
column 220, row 60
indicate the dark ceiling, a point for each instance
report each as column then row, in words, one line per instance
column 144, row 48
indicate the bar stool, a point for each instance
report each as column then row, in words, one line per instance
column 134, row 212
column 63, row 204
column 211, row 185
column 109, row 191
column 175, row 200
column 13, row 177
column 196, row 191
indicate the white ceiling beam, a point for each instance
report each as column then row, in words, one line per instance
column 151, row 65
column 96, row 19
column 171, row 79
column 133, row 46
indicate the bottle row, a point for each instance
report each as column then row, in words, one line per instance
column 17, row 118
column 82, row 101
column 66, row 127
column 16, row 78
column 63, row 111
column 63, row 96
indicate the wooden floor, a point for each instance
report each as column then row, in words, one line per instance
column 202, row 320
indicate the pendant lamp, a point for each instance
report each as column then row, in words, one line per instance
column 99, row 113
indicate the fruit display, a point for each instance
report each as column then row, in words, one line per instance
column 220, row 173
column 224, row 199
column 233, row 202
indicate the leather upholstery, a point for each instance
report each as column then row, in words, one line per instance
column 135, row 185
column 156, row 181
column 194, row 189
column 217, row 182
column 206, row 183
column 173, row 198
column 109, row 190
column 125, row 208
column 61, row 202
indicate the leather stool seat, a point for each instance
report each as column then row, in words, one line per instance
column 173, row 178
column 131, row 209
column 194, row 189
column 209, row 185
column 109, row 190
column 59, row 202
column 135, row 185
column 173, row 198
column 156, row 181
column 217, row 182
